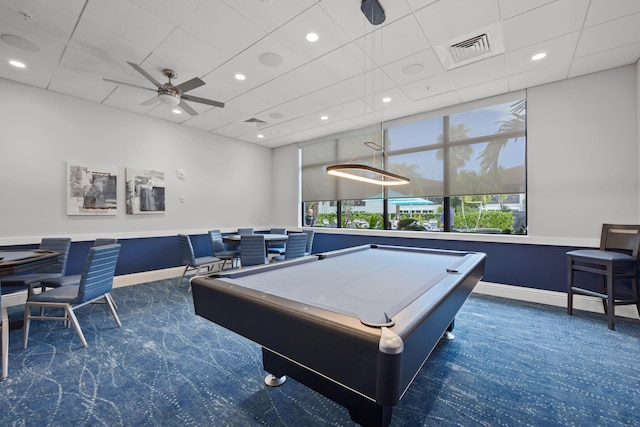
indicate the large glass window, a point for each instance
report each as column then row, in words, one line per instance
column 471, row 164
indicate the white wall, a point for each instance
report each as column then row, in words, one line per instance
column 582, row 164
column 227, row 185
column 582, row 160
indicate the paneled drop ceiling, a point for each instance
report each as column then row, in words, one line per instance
column 427, row 55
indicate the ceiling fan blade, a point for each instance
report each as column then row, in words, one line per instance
column 129, row 84
column 144, row 73
column 190, row 84
column 187, row 109
column 150, row 101
column 203, row 101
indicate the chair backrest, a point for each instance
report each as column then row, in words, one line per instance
column 278, row 231
column 296, row 245
column 217, row 244
column 56, row 244
column 104, row 241
column 187, row 255
column 98, row 272
column 621, row 237
column 252, row 250
column 246, row 230
column 310, row 234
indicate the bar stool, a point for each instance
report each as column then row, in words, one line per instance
column 614, row 263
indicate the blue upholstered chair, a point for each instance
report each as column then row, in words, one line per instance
column 246, row 230
column 95, row 284
column 296, row 245
column 75, row 278
column 220, row 250
column 4, row 328
column 252, row 250
column 189, row 259
column 309, row 247
column 277, row 248
column 52, row 271
column 615, row 264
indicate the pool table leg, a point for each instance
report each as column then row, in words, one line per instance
column 448, row 335
column 361, row 410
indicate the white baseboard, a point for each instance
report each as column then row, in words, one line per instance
column 558, row 299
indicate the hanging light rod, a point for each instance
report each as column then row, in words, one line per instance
column 367, row 174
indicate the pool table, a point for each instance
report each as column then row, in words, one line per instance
column 356, row 324
column 21, row 261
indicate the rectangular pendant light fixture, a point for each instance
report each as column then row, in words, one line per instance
column 367, row 174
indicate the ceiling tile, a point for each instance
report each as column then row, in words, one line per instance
column 560, row 17
column 442, row 22
column 558, row 53
column 616, row 57
column 601, row 11
column 230, row 32
column 169, row 10
column 482, row 71
column 484, row 90
column 53, row 20
column 125, row 20
column 314, row 19
column 269, row 15
column 612, row 34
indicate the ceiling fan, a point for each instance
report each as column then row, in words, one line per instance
column 170, row 94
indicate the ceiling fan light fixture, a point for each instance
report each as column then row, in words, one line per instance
column 368, row 174
column 169, row 99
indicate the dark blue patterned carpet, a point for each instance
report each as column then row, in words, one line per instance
column 512, row 364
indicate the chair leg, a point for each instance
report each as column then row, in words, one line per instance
column 570, row 275
column 74, row 320
column 112, row 301
column 183, row 274
column 603, row 290
column 610, row 297
column 5, row 343
column 26, row 324
column 112, row 308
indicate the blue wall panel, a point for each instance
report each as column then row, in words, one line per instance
column 531, row 266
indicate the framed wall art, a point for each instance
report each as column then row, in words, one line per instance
column 91, row 191
column 144, row 191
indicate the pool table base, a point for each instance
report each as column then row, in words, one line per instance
column 362, row 410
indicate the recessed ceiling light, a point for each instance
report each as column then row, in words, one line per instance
column 17, row 64
column 260, row 135
column 276, row 115
column 312, row 37
column 240, row 76
column 324, row 117
column 386, row 99
column 177, row 111
column 538, row 56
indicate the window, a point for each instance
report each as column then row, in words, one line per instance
column 471, row 163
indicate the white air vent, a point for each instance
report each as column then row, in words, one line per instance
column 470, row 48
column 481, row 44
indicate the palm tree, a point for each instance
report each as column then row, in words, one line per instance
column 516, row 125
column 462, row 153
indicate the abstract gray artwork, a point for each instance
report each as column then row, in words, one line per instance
column 91, row 191
column 144, row 191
